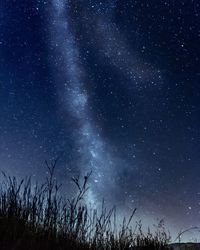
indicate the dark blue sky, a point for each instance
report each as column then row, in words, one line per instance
column 112, row 86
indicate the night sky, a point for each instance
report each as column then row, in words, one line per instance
column 108, row 86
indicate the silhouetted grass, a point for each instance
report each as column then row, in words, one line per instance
column 34, row 216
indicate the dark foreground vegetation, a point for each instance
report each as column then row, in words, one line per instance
column 37, row 217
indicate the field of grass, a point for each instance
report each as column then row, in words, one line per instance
column 34, row 216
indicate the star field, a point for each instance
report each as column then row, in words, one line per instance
column 109, row 86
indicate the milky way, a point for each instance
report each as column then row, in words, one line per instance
column 93, row 152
